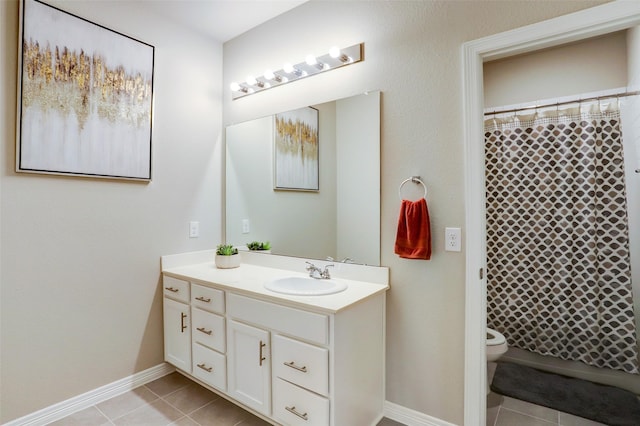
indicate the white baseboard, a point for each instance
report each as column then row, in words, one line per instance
column 96, row 396
column 411, row 417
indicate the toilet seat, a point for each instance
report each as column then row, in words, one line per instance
column 494, row 338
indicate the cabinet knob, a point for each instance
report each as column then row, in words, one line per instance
column 203, row 299
column 204, row 330
column 293, row 410
column 171, row 289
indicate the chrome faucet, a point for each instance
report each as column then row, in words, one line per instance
column 317, row 273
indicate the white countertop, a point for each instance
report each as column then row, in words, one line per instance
column 250, row 278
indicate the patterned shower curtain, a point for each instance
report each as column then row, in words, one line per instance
column 558, row 264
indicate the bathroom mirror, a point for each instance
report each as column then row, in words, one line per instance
column 342, row 219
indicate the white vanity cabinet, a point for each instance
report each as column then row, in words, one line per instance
column 288, row 360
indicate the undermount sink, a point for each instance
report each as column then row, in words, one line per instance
column 305, row 286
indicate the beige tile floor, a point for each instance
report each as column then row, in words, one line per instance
column 505, row 411
column 177, row 401
column 171, row 400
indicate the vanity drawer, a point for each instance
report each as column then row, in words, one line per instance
column 306, row 325
column 295, row 406
column 176, row 289
column 210, row 366
column 300, row 363
column 208, row 329
column 207, row 298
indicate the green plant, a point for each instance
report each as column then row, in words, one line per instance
column 226, row 250
column 256, row 245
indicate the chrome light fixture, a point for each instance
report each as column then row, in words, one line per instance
column 312, row 65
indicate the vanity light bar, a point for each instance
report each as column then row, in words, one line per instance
column 312, row 65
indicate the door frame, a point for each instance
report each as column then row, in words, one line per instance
column 592, row 22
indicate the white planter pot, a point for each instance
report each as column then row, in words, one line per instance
column 227, row 262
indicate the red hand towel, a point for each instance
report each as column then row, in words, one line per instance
column 413, row 239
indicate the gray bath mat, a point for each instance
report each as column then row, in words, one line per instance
column 604, row 404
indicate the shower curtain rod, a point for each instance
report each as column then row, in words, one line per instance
column 556, row 104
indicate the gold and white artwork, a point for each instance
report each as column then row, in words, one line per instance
column 86, row 95
column 296, row 150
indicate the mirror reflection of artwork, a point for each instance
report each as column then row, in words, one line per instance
column 342, row 220
column 296, row 150
column 85, row 97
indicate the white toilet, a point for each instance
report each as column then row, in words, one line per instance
column 496, row 345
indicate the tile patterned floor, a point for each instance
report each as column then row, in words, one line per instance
column 177, row 401
column 505, row 411
column 171, row 400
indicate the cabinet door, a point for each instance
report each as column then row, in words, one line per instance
column 177, row 334
column 249, row 366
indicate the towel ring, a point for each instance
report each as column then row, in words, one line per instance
column 414, row 179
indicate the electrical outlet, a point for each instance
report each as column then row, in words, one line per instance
column 452, row 238
column 194, row 229
column 245, row 226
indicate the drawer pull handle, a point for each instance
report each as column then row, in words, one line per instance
column 171, row 289
column 293, row 365
column 203, row 299
column 205, row 368
column 293, row 410
column 183, row 316
column 205, row 331
column 262, row 358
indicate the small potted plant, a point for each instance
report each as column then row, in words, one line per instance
column 258, row 246
column 227, row 257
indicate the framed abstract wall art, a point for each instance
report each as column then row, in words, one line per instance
column 296, row 150
column 85, row 97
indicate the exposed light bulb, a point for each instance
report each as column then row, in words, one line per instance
column 311, row 65
column 335, row 53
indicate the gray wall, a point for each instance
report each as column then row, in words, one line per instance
column 588, row 66
column 80, row 295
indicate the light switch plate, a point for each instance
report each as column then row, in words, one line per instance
column 194, row 229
